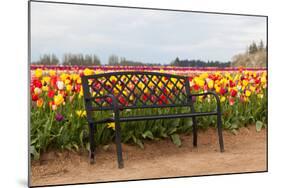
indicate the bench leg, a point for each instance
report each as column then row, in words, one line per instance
column 118, row 145
column 219, row 125
column 194, row 128
column 92, row 144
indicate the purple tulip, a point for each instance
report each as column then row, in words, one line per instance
column 193, row 99
column 59, row 117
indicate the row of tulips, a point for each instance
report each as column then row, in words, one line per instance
column 58, row 118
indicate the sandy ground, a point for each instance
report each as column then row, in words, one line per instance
column 244, row 152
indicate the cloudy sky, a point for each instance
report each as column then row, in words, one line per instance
column 142, row 35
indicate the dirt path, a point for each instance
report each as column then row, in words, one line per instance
column 244, row 152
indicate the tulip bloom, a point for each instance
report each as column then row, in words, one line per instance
column 233, row 92
column 39, row 102
column 60, row 85
column 34, row 97
column 51, row 93
column 38, row 73
column 111, row 125
column 37, row 83
column 59, row 117
column 81, row 113
column 58, row 99
column 247, row 93
column 37, row 91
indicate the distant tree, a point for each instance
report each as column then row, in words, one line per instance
column 253, row 48
column 123, row 60
column 48, row 59
column 113, row 60
column 80, row 59
column 198, row 63
column 96, row 60
column 175, row 62
column 261, row 45
column 73, row 59
column 88, row 60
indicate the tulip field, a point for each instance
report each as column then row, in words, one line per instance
column 58, row 119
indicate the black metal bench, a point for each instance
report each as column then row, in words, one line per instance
column 138, row 90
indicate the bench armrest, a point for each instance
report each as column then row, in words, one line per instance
column 209, row 93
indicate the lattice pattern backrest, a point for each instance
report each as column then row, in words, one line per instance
column 138, row 89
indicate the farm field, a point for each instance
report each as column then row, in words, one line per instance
column 58, row 118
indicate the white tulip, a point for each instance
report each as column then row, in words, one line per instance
column 60, row 85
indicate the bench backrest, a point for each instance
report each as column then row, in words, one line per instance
column 136, row 90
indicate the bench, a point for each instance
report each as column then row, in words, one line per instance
column 139, row 90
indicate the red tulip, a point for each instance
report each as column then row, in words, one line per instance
column 109, row 100
column 34, row 97
column 122, row 100
column 233, row 92
column 223, row 91
column 144, row 97
column 258, row 81
column 196, row 87
column 163, row 98
column 231, row 83
column 53, row 82
column 51, row 93
column 37, row 83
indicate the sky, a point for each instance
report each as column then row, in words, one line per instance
column 149, row 36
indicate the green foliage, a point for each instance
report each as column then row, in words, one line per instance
column 72, row 132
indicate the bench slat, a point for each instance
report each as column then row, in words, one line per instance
column 154, row 117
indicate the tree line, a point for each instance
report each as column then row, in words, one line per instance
column 254, row 56
column 69, row 59
column 198, row 63
column 114, row 60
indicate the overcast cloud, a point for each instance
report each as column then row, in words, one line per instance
column 140, row 35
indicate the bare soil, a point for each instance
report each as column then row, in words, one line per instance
column 244, row 152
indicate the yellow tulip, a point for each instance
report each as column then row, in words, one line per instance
column 200, row 82
column 58, row 99
column 74, row 77
column 67, row 81
column 222, row 99
column 45, row 88
column 38, row 73
column 210, row 84
column 79, row 81
column 248, row 93
column 204, row 75
column 245, row 82
column 52, row 72
column 218, row 89
column 81, row 113
column 263, row 79
column 150, row 84
column 68, row 87
column 64, row 76
column 252, row 88
column 88, row 72
column 46, row 79
column 111, row 125
column 112, row 79
column 174, row 80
